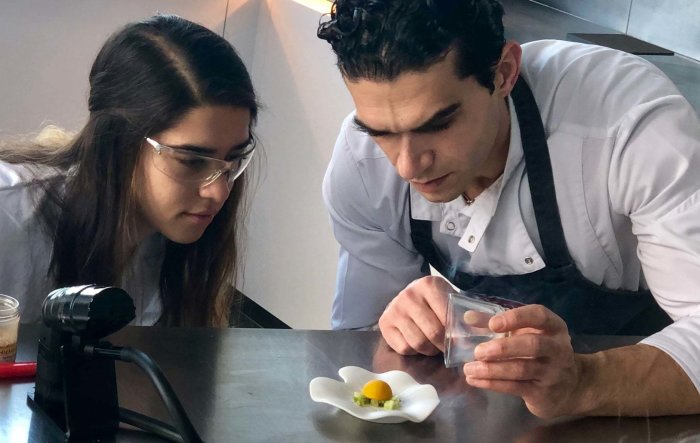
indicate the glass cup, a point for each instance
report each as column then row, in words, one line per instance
column 9, row 323
column 467, row 324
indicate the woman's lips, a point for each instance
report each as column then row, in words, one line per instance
column 429, row 186
column 200, row 218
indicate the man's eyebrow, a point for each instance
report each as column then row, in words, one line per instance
column 436, row 119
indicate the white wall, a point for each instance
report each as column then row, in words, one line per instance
column 47, row 48
column 292, row 255
column 241, row 25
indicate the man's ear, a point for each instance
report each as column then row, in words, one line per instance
column 508, row 69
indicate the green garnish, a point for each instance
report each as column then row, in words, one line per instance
column 362, row 400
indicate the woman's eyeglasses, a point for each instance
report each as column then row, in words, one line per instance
column 185, row 166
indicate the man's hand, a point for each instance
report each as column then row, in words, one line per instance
column 535, row 362
column 414, row 321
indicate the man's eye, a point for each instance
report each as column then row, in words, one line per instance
column 435, row 128
column 371, row 132
column 441, row 127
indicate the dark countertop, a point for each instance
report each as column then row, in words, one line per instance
column 527, row 21
column 252, row 385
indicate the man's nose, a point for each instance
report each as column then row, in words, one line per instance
column 413, row 159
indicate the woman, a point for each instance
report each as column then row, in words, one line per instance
column 144, row 196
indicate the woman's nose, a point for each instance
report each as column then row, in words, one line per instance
column 218, row 190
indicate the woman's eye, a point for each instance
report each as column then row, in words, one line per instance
column 236, row 159
column 240, row 154
column 195, row 163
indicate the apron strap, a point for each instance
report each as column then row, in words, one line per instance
column 540, row 178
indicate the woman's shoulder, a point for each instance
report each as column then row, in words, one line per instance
column 12, row 175
column 15, row 185
column 22, row 189
column 25, row 247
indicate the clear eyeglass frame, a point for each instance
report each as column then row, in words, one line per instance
column 213, row 169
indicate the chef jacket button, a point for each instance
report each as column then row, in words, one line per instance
column 528, row 260
column 471, row 239
column 450, row 226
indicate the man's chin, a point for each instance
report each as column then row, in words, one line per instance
column 439, row 197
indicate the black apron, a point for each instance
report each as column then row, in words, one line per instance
column 586, row 307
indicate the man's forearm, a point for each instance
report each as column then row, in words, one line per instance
column 638, row 380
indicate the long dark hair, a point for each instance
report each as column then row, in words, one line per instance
column 146, row 77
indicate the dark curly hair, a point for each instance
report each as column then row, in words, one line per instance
column 381, row 39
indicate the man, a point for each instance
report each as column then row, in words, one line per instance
column 557, row 174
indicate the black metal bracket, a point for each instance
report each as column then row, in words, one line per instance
column 75, row 392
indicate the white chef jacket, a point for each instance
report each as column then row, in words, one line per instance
column 625, row 153
column 26, row 249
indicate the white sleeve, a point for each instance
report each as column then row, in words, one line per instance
column 655, row 179
column 24, row 250
column 367, row 203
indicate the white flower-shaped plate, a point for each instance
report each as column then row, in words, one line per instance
column 417, row 401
